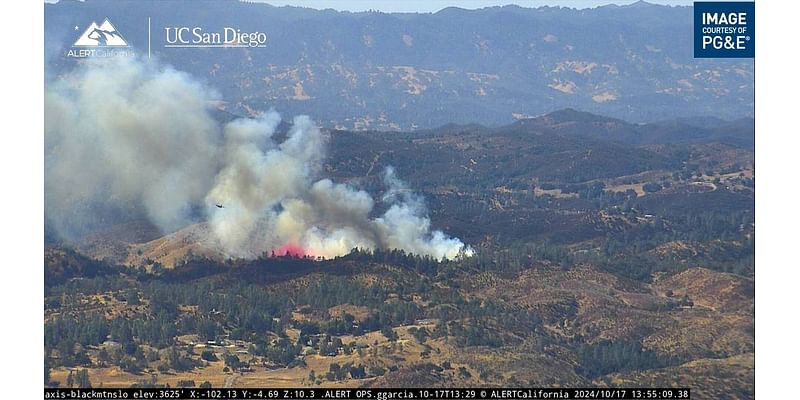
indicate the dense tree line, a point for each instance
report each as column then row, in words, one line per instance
column 608, row 357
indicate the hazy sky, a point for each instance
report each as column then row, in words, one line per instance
column 436, row 5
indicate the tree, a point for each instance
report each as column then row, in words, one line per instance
column 358, row 372
column 70, row 379
column 420, row 334
column 327, row 348
column 102, row 356
column 336, row 372
column 46, row 371
column 207, row 329
column 129, row 364
column 178, row 361
column 608, row 357
column 232, row 361
column 651, row 187
column 389, row 333
column 82, row 359
column 209, row 356
column 129, row 347
column 132, row 297
column 82, row 379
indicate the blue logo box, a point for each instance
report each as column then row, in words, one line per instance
column 724, row 29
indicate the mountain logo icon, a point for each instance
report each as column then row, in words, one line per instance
column 103, row 35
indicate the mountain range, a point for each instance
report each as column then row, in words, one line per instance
column 373, row 70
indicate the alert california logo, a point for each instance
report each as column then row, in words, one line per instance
column 103, row 40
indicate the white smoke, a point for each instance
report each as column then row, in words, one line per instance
column 128, row 135
column 405, row 224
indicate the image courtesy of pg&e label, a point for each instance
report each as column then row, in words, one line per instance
column 724, row 29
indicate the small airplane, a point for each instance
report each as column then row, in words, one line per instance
column 219, row 205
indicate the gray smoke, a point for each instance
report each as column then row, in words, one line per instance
column 122, row 135
column 130, row 136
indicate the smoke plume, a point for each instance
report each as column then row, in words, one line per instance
column 136, row 138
